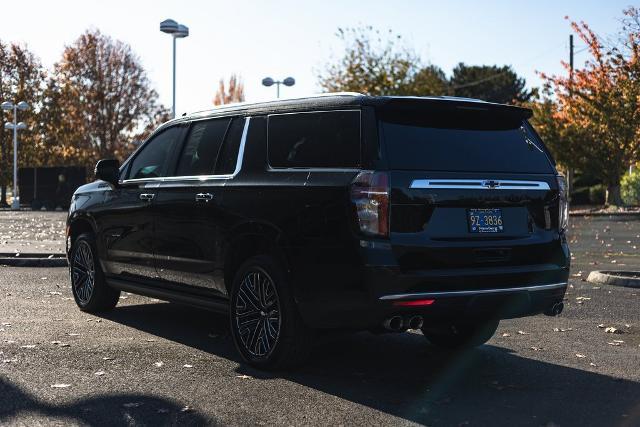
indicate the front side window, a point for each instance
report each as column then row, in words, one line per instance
column 328, row 139
column 202, row 146
column 154, row 158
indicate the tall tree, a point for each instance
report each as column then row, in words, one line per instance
column 101, row 97
column 233, row 92
column 489, row 83
column 602, row 101
column 377, row 63
column 21, row 79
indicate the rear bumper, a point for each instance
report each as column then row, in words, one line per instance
column 462, row 295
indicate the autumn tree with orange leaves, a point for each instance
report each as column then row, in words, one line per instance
column 233, row 92
column 598, row 106
column 99, row 100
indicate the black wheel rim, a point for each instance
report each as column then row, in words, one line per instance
column 83, row 272
column 257, row 314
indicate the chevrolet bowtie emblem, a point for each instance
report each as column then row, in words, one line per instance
column 490, row 183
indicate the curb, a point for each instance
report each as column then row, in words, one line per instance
column 611, row 214
column 627, row 279
column 33, row 260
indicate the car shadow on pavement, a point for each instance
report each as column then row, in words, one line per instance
column 18, row 406
column 400, row 374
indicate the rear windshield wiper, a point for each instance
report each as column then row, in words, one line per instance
column 528, row 140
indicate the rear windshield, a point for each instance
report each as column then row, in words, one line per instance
column 466, row 143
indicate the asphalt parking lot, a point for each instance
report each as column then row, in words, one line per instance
column 154, row 363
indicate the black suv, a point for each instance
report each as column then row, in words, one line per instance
column 339, row 211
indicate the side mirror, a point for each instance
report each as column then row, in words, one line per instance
column 108, row 170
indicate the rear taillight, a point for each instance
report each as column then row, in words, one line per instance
column 563, row 205
column 370, row 197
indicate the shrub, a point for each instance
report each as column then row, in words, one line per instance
column 597, row 194
column 630, row 188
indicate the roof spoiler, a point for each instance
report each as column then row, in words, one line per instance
column 451, row 104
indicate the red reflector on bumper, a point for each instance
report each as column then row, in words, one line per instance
column 414, row 303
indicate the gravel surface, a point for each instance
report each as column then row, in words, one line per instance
column 153, row 363
column 32, row 232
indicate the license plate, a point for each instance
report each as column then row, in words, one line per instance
column 485, row 220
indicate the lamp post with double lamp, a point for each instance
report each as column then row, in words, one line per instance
column 15, row 126
column 268, row 81
column 178, row 31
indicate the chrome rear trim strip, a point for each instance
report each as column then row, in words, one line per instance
column 474, row 292
column 479, row 184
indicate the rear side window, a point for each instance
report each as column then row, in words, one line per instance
column 228, row 156
column 201, row 148
column 329, row 139
column 154, row 158
column 463, row 143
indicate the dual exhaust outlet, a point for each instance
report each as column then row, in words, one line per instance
column 401, row 324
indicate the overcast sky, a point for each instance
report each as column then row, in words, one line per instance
column 296, row 38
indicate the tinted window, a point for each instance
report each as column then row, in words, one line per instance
column 490, row 145
column 229, row 152
column 201, row 148
column 155, row 157
column 326, row 139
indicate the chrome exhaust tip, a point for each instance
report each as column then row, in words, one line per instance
column 393, row 324
column 415, row 322
column 555, row 309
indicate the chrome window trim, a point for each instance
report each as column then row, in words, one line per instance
column 200, row 178
column 479, row 184
column 315, row 169
column 306, row 170
column 441, row 294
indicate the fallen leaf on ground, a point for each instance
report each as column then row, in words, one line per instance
column 133, row 404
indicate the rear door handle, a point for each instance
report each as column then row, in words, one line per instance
column 147, row 196
column 204, row 197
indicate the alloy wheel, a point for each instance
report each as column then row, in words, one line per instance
column 83, row 272
column 257, row 314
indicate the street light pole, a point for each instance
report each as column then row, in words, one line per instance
column 15, row 126
column 177, row 31
column 173, row 108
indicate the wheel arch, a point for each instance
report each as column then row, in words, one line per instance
column 77, row 225
column 249, row 240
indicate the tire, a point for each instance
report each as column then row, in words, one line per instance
column 460, row 335
column 265, row 324
column 90, row 290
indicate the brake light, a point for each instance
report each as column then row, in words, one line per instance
column 414, row 303
column 370, row 197
column 563, row 203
